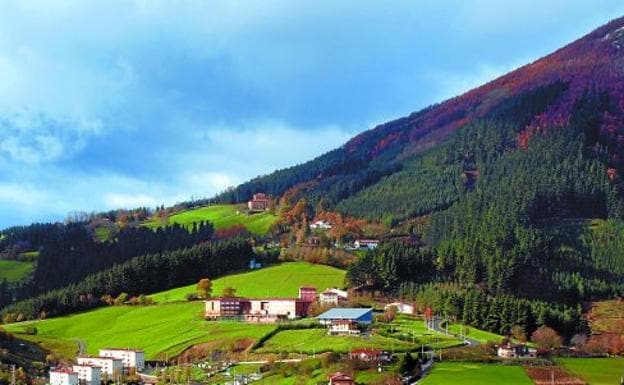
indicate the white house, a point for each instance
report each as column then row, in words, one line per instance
column 343, row 328
column 333, row 296
column 131, row 358
column 88, row 374
column 402, row 307
column 113, row 367
column 320, row 225
column 63, row 377
column 509, row 350
column 366, row 244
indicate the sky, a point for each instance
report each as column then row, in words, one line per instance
column 120, row 104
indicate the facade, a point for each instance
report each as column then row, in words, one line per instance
column 259, row 202
column 367, row 355
column 333, row 296
column 343, row 328
column 366, row 244
column 131, row 358
column 340, row 378
column 113, row 367
column 360, row 316
column 402, row 307
column 63, row 377
column 88, row 374
column 265, row 310
column 509, row 351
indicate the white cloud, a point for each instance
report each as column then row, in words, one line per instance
column 117, row 200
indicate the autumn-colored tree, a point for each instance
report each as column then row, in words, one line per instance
column 229, row 292
column 204, row 288
column 546, row 338
column 518, row 333
column 390, row 314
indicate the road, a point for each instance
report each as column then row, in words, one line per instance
column 435, row 325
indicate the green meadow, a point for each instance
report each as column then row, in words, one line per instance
column 444, row 373
column 476, row 334
column 160, row 330
column 281, row 280
column 596, row 371
column 222, row 217
column 14, row 271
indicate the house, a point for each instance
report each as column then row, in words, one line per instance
column 320, row 225
column 509, row 350
column 343, row 328
column 369, row 355
column 264, row 310
column 259, row 202
column 131, row 358
column 63, row 376
column 88, row 374
column 360, row 316
column 253, row 264
column 113, row 367
column 402, row 307
column 333, row 296
column 366, row 244
column 340, row 378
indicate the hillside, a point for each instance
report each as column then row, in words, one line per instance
column 221, row 217
column 282, row 280
column 169, row 328
column 14, row 271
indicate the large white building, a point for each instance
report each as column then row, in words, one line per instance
column 113, row 367
column 88, row 374
column 333, row 296
column 131, row 358
column 63, row 377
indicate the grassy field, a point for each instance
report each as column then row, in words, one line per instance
column 596, row 371
column 414, row 329
column 222, row 217
column 311, row 341
column 14, row 271
column 476, row 334
column 281, row 280
column 161, row 330
column 475, row 374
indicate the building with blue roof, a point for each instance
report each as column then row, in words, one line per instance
column 361, row 316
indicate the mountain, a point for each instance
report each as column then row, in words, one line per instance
column 593, row 64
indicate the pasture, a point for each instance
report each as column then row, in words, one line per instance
column 444, row 373
column 281, row 280
column 221, row 216
column 481, row 336
column 596, row 371
column 161, row 330
column 14, row 271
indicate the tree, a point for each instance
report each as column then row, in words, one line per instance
column 408, row 364
column 229, row 292
column 518, row 333
column 204, row 288
column 546, row 338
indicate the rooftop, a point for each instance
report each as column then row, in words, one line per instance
column 123, row 350
column 344, row 313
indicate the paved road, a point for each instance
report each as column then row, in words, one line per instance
column 436, row 326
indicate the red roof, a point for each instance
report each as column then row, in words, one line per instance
column 340, row 376
column 367, row 351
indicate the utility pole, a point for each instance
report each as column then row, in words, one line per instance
column 13, row 382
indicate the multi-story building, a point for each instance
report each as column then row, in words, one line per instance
column 113, row 367
column 88, row 374
column 131, row 358
column 63, row 376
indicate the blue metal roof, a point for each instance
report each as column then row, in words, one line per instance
column 344, row 313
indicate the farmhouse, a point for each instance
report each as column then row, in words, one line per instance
column 109, row 365
column 88, row 374
column 335, row 318
column 509, row 350
column 333, row 296
column 320, row 225
column 402, row 307
column 366, row 244
column 370, row 355
column 131, row 358
column 340, row 378
column 64, row 376
column 263, row 310
column 343, row 328
column 259, row 202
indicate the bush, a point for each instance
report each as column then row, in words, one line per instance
column 191, row 297
column 30, row 330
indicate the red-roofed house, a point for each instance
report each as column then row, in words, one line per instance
column 340, row 378
column 366, row 354
column 259, row 202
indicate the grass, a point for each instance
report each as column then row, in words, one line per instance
column 476, row 334
column 405, row 327
column 281, row 280
column 222, row 217
column 475, row 374
column 596, row 371
column 103, row 233
column 161, row 330
column 14, row 271
column 311, row 341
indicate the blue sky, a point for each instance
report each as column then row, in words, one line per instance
column 119, row 104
